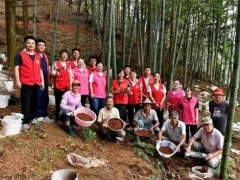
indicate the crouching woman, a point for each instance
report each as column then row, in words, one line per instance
column 71, row 100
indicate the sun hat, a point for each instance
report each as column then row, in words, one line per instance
column 207, row 120
column 218, row 92
column 76, row 82
column 147, row 101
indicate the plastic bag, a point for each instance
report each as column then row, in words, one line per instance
column 11, row 125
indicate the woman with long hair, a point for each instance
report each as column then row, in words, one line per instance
column 189, row 112
column 157, row 94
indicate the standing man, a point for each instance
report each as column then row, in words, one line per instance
column 92, row 64
column 75, row 56
column 211, row 143
column 43, row 99
column 127, row 70
column 29, row 78
column 219, row 108
column 146, row 80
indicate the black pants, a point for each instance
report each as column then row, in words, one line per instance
column 160, row 117
column 90, row 100
column 122, row 110
column 29, row 102
column 193, row 129
column 58, row 97
column 84, row 99
column 132, row 109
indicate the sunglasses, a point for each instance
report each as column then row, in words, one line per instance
column 76, row 84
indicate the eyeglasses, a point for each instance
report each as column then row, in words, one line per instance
column 76, row 84
column 206, row 124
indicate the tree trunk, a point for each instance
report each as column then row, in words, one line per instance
column 123, row 31
column 10, row 32
column 161, row 38
column 109, row 45
column 34, row 17
column 232, row 102
column 55, row 30
column 77, row 33
column 113, row 42
column 25, row 17
column 93, row 24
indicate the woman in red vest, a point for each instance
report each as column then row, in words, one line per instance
column 75, row 56
column 61, row 70
column 157, row 94
column 134, row 97
column 189, row 112
column 120, row 92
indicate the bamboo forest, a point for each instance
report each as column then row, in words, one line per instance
column 189, row 48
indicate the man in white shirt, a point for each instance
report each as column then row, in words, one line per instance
column 211, row 142
column 176, row 132
column 109, row 112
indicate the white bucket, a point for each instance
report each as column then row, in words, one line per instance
column 51, row 100
column 9, row 85
column 65, row 174
column 11, row 125
column 1, row 66
column 4, row 99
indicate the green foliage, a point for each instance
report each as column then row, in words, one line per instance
column 147, row 147
column 230, row 168
column 44, row 153
column 88, row 135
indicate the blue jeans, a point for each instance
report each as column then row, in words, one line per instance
column 64, row 117
column 98, row 103
column 43, row 101
column 147, row 126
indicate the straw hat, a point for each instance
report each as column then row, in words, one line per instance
column 147, row 101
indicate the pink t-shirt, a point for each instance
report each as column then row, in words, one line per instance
column 70, row 101
column 82, row 76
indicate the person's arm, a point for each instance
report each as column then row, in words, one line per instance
column 212, row 155
column 135, row 120
column 181, row 142
column 42, row 80
column 17, row 77
column 155, row 118
column 196, row 112
column 54, row 69
column 113, row 91
column 162, row 101
column 100, row 117
column 64, row 101
column 90, row 85
column 192, row 140
column 160, row 135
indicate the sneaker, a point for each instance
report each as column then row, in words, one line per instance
column 35, row 121
column 25, row 127
column 48, row 120
column 119, row 139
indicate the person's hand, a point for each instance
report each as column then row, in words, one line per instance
column 161, row 106
column 92, row 95
column 177, row 148
column 151, row 129
column 188, row 149
column 209, row 156
column 42, row 85
column 105, row 125
column 136, row 128
column 18, row 84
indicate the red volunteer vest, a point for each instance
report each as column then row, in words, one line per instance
column 71, row 61
column 144, row 85
column 62, row 81
column 99, row 85
column 188, row 110
column 174, row 99
column 157, row 94
column 121, row 98
column 136, row 93
column 30, row 70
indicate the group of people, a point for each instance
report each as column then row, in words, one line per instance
column 139, row 101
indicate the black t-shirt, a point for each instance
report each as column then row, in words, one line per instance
column 18, row 59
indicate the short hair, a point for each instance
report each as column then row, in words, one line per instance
column 40, row 40
column 99, row 63
column 174, row 113
column 109, row 97
column 147, row 67
column 92, row 57
column 63, row 51
column 127, row 66
column 29, row 37
column 76, row 49
column 157, row 73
